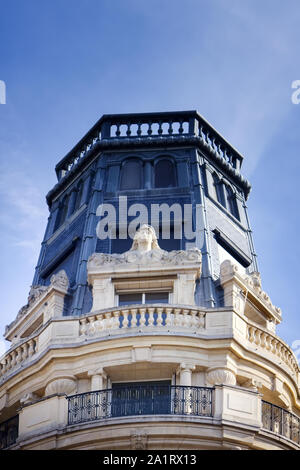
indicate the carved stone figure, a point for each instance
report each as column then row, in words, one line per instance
column 139, row 439
column 145, row 250
column 60, row 280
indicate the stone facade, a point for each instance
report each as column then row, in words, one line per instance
column 195, row 365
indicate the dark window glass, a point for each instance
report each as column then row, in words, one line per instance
column 78, row 197
column 131, row 175
column 171, row 243
column 157, row 298
column 165, row 174
column 120, row 245
column 129, row 299
column 231, row 202
column 62, row 212
column 218, row 190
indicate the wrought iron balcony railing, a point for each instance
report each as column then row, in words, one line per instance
column 9, row 431
column 140, row 400
column 280, row 421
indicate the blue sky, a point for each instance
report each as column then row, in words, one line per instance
column 66, row 63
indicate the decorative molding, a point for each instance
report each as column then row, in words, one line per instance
column 62, row 385
column 252, row 285
column 60, row 280
column 139, row 439
column 145, row 251
column 220, row 376
column 29, row 398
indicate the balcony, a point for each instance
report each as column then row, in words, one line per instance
column 280, row 421
column 135, row 400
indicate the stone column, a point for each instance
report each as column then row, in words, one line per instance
column 185, row 371
column 97, row 379
column 97, row 384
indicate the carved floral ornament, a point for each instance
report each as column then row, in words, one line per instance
column 59, row 280
column 251, row 281
column 145, row 251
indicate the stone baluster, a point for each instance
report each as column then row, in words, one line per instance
column 201, row 316
column 281, row 351
column 13, row 358
column 151, row 316
column 83, row 326
column 159, row 316
column 108, row 320
column 257, row 336
column 177, row 319
column 268, row 342
column 186, row 318
column 19, row 354
column 31, row 347
column 250, row 334
column 263, row 339
column 116, row 321
column 24, row 351
column 125, row 318
column 3, row 370
column 142, row 317
column 133, row 312
column 273, row 345
column 193, row 319
column 97, row 325
column 277, row 348
column 91, row 325
column 169, row 315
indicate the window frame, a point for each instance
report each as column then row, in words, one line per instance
column 159, row 160
column 143, row 292
column 141, row 175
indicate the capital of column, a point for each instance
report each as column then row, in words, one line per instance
column 185, row 367
column 97, row 372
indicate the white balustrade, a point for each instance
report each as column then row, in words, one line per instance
column 269, row 342
column 145, row 317
column 18, row 355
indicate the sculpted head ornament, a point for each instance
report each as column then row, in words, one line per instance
column 145, row 239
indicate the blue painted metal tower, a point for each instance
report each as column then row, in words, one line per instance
column 151, row 158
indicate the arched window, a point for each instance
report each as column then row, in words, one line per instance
column 218, row 190
column 78, row 196
column 231, row 202
column 165, row 174
column 131, row 175
column 62, row 212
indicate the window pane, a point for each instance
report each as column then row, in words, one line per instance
column 131, row 175
column 164, row 174
column 157, row 298
column 128, row 299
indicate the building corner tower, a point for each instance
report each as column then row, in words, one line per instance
column 146, row 325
